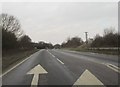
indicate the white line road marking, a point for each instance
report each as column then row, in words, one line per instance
column 87, row 78
column 113, row 67
column 60, row 61
column 93, row 53
column 54, row 57
column 16, row 66
column 51, row 54
column 36, row 71
column 35, row 80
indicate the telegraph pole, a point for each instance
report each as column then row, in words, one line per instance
column 86, row 35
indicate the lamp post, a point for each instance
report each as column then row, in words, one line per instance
column 86, row 35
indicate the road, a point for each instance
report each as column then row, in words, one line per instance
column 62, row 67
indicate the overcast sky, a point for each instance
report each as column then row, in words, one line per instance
column 55, row 21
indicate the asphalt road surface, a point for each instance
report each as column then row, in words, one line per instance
column 62, row 67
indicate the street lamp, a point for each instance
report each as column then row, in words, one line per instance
column 86, row 35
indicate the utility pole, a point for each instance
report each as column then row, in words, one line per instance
column 86, row 35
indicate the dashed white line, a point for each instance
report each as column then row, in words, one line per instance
column 54, row 57
column 51, row 54
column 60, row 61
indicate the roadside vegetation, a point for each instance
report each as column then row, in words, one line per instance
column 110, row 51
column 11, row 57
column 108, row 43
column 16, row 45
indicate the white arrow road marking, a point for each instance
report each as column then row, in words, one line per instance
column 87, row 78
column 60, row 61
column 36, row 71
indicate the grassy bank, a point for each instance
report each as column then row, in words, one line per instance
column 101, row 51
column 12, row 57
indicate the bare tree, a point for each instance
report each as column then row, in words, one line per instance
column 110, row 38
column 10, row 23
column 109, row 30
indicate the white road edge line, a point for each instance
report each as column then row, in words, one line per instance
column 60, row 61
column 117, row 70
column 15, row 66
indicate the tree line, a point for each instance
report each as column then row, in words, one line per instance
column 110, row 38
column 72, row 42
column 13, row 37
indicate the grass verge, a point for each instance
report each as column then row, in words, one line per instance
column 100, row 51
column 13, row 57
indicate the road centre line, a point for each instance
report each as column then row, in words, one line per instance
column 111, row 66
column 60, row 61
column 54, row 57
column 51, row 54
